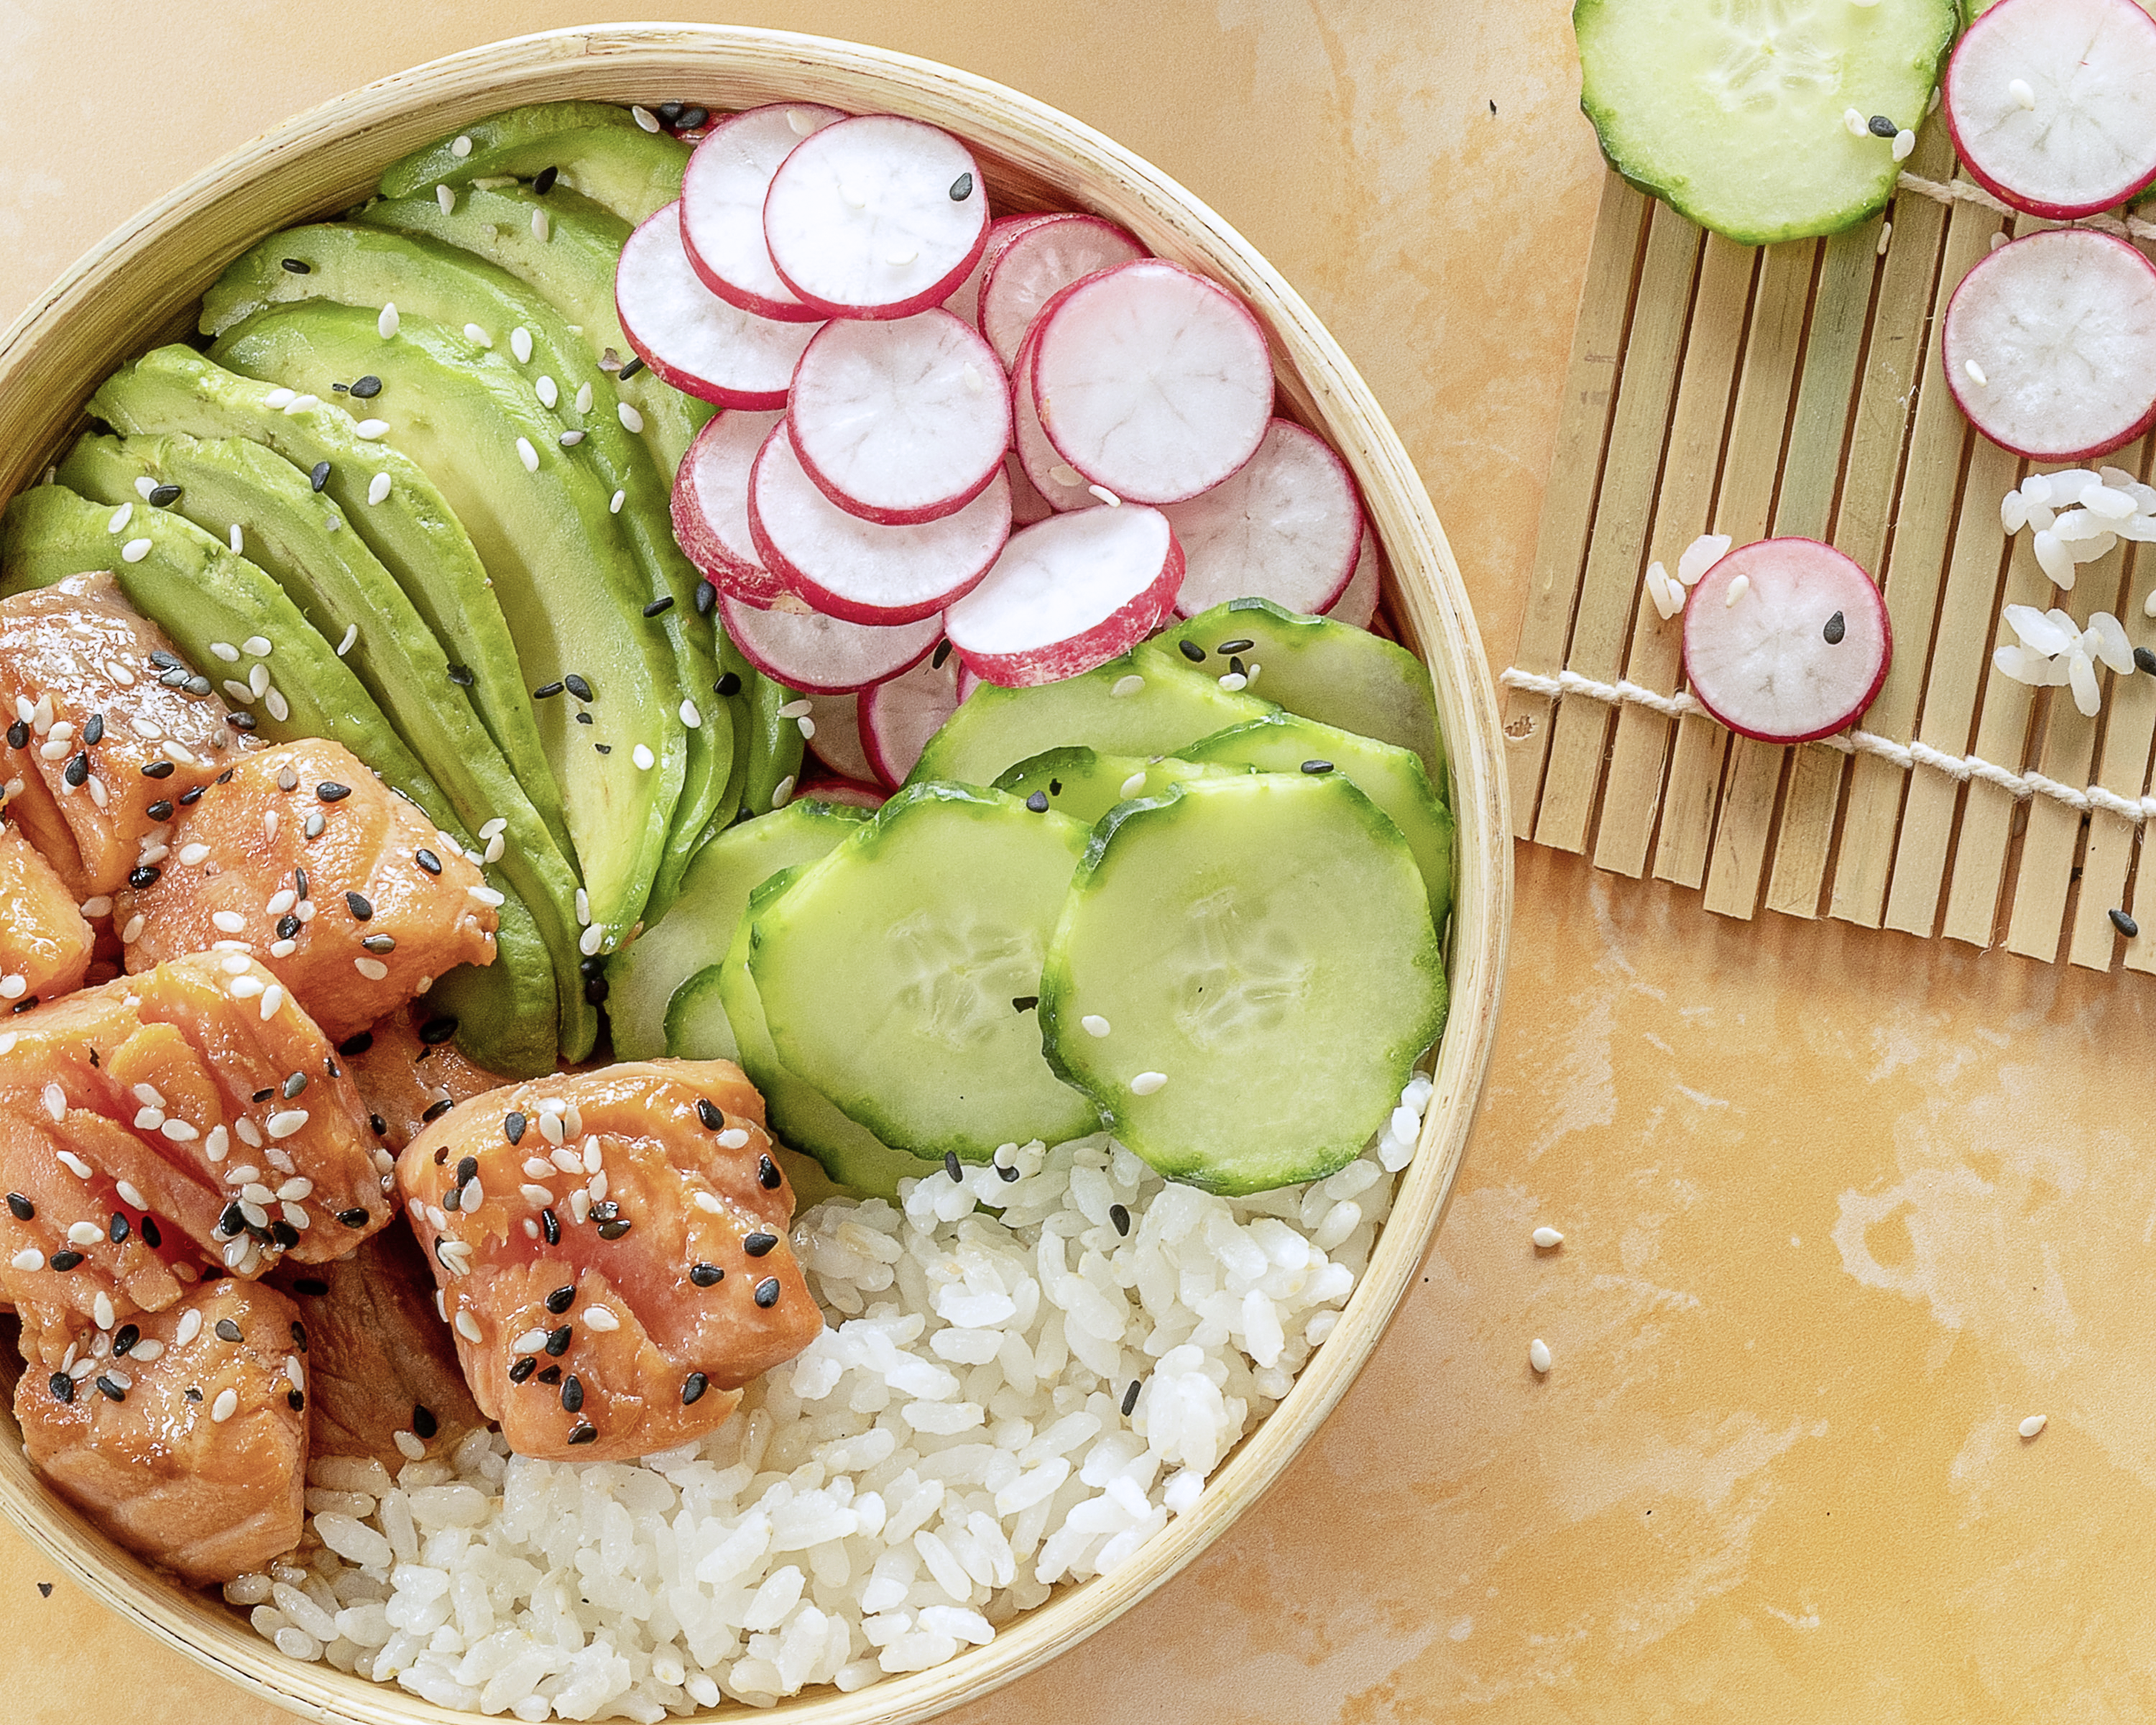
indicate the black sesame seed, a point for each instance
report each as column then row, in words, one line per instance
column 65, row 1260
column 552, row 1374
column 194, row 1395
column 144, row 877
column 952, row 1168
column 767, row 1292
column 93, row 730
column 24, row 1210
column 1241, row 644
column 239, row 721
column 586, row 719
column 62, row 1387
column 546, row 691
column 331, row 792
column 756, row 1246
column 1130, row 1398
column 438, row 1030
column 288, row 926
column 660, row 607
column 557, row 1340
column 572, row 1393
column 630, row 368
column 1122, row 1218
column 605, row 1211
column 435, row 1111
column 159, row 810
column 299, row 266
column 299, row 1334
column 1024, row 1003
column 693, row 1387
column 295, row 1400
column 562, row 1299
column 524, row 1368
column 614, row 1229
column 264, row 1095
column 1314, row 768
column 1192, row 651
column 76, row 773
column 157, row 769
column 961, row 188
column 668, row 111
column 707, row 1112
column 542, row 182
column 1835, row 629
column 427, row 860
column 1880, row 126
column 467, row 1168
column 1006, row 1174
column 596, row 991
column 381, row 1126
column 153, row 1236
column 578, row 687
column 360, row 910
column 124, row 1337
column 367, row 388
column 284, row 1233
column 2144, row 659
column 310, row 1285
column 163, row 497
column 706, row 1276
column 318, row 476
column 2124, row 924
column 117, row 1230
column 231, row 1221
column 112, row 1391
column 26, row 1005
column 550, row 1224
column 461, row 675
column 227, row 1331
column 299, row 881
column 707, row 598
column 768, row 1175
column 729, row 684
column 583, row 1432
column 1236, row 666
column 512, row 1125
column 293, row 1085
column 164, row 660
column 1038, row 802
column 425, row 1424
column 18, row 735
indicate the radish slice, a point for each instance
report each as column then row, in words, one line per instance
column 689, row 335
column 836, row 740
column 1357, row 603
column 965, row 300
column 901, row 714
column 722, row 193
column 899, row 421
column 1069, row 594
column 710, row 505
column 1034, row 265
column 823, row 655
column 859, row 570
column 969, row 680
column 2052, row 103
column 1058, row 484
column 1151, row 381
column 876, row 217
column 1786, row 640
column 841, row 790
column 1285, row 526
column 1028, row 505
column 2050, row 345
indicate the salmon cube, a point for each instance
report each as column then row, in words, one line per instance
column 409, row 1071
column 45, row 944
column 346, row 891
column 611, row 1250
column 107, row 730
column 183, row 1435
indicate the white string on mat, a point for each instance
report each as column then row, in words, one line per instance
column 1947, row 191
column 1961, row 768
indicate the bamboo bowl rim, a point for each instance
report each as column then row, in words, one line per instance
column 139, row 287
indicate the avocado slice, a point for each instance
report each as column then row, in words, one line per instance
column 412, row 531
column 201, row 595
column 774, row 750
column 552, row 549
column 337, row 583
column 594, row 147
column 367, row 267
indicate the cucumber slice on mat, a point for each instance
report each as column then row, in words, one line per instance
column 900, row 974
column 1085, row 785
column 1733, row 110
column 1244, row 975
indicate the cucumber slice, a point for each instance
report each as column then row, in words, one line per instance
column 593, row 147
column 1731, row 110
column 1327, row 670
column 1263, row 942
column 643, row 976
column 1085, row 785
column 1392, row 778
column 899, row 974
column 1165, row 703
column 850, row 1154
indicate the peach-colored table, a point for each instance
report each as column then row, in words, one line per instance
column 1840, row 1208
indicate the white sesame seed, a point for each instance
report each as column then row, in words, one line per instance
column 217, row 1144
column 580, row 1206
column 690, row 717
column 409, row 1447
column 796, row 710
column 1739, row 586
column 7, row 1040
column 548, row 392
column 255, row 1193
column 520, row 344
column 594, row 1156
column 631, row 420
column 781, row 793
column 460, row 148
column 1976, row 374
column 550, row 1128
column 542, row 229
column 191, row 856
column 483, row 895
column 370, row 429
column 645, row 118
column 733, row 1138
column 567, row 1160
column 496, row 848
column 225, row 1406
column 1132, row 785
column 149, row 1349
column 374, row 969
column 179, row 1132
column 593, row 938
column 230, row 921
column 1094, row 1025
column 121, row 516
column 190, row 1326
column 378, row 488
column 29, row 1258
column 295, row 1189
column 277, row 401
column 148, row 1119
column 1125, row 686
column 134, row 551
column 132, row 932
column 1145, row 1083
column 301, row 404
column 600, row 1318
column 248, row 1133
column 13, row 988
column 530, row 1342
column 97, row 790
column 239, row 692
column 2034, row 1423
column 447, row 199
column 275, row 704
column 1548, row 1238
column 468, row 1328
column 385, row 325
column 537, row 1168
column 101, row 1309
column 1538, row 1355
column 283, row 949
column 1905, row 144
column 55, row 1102
column 144, row 486
column 477, row 336
column 645, row 759
column 83, row 1234
column 538, row 1197
column 129, row 1195
column 305, row 910
column 286, row 1121
column 1234, row 681
column 528, row 455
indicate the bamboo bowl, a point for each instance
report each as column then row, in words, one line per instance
column 140, row 287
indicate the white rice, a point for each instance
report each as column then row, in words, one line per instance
column 951, row 1447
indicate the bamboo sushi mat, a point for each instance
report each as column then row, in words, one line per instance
column 1715, row 387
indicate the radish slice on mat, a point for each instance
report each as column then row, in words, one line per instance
column 2050, row 345
column 1357, row 603
column 836, row 740
column 859, row 570
column 1151, row 381
column 823, row 656
column 1285, row 526
column 901, row 714
column 723, row 192
column 876, row 217
column 1034, row 265
column 1059, row 485
column 854, row 791
column 1786, row 640
column 965, row 300
column 689, row 335
column 710, row 505
column 2052, row 103
column 899, row 421
column 1069, row 594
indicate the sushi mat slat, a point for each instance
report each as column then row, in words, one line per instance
column 1797, row 389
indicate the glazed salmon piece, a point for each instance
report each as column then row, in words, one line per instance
column 201, row 1108
column 184, row 1436
column 611, row 1248
column 384, row 1378
column 343, row 889
column 108, row 730
column 45, row 944
column 409, row 1071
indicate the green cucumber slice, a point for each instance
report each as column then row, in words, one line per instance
column 1731, row 110
column 594, row 148
column 899, row 974
column 1165, row 703
column 1324, row 669
column 642, row 977
column 1085, row 785
column 1263, row 943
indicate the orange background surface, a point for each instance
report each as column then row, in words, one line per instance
column 1839, row 1208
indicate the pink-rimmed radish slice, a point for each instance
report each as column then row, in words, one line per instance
column 858, row 570
column 1786, row 640
column 1357, row 603
column 824, row 655
column 710, row 505
column 694, row 340
column 901, row 713
column 1034, row 265
column 899, row 420
column 836, row 737
column 1068, row 594
column 1151, row 380
column 857, row 792
column 2052, row 103
column 965, row 300
column 875, row 217
column 969, row 680
column 1028, row 505
column 1285, row 526
column 1056, row 481
column 722, row 193
column 2050, row 345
